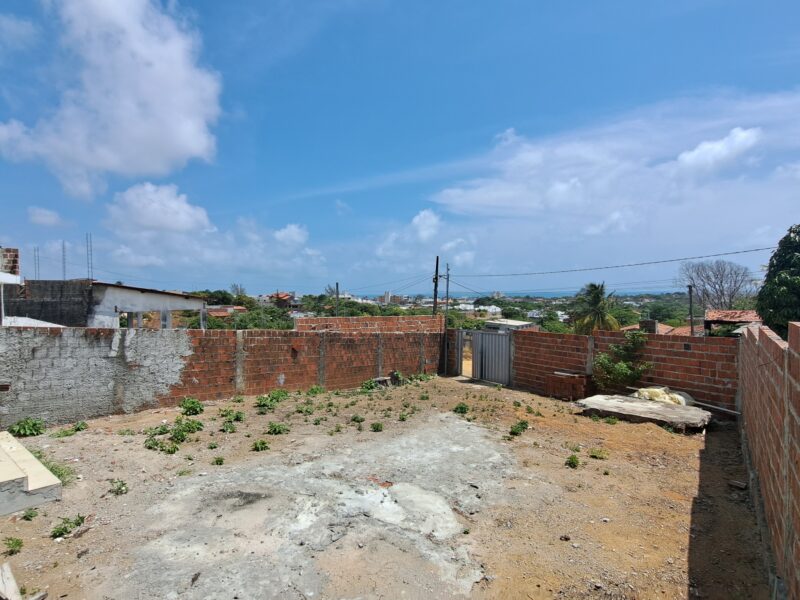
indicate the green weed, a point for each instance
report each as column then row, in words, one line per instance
column 573, row 462
column 376, row 427
column 191, row 406
column 276, row 428
column 118, row 487
column 66, row 526
column 259, row 446
column 461, row 409
column 27, row 427
column 13, row 546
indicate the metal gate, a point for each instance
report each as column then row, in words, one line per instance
column 491, row 357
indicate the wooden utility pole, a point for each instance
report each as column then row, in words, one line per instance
column 436, row 286
column 446, row 309
column 691, row 311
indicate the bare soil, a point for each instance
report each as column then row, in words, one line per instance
column 438, row 505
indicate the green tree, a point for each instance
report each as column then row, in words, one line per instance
column 592, row 310
column 778, row 300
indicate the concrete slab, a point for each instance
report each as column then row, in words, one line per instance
column 637, row 410
column 24, row 481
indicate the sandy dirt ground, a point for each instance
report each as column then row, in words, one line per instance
column 436, row 505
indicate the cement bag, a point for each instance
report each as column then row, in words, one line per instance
column 664, row 395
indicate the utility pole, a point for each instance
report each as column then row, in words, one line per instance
column 63, row 260
column 436, row 286
column 446, row 309
column 337, row 298
column 691, row 311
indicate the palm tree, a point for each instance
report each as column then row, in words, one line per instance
column 593, row 310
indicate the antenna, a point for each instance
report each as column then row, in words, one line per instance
column 89, row 257
column 36, row 262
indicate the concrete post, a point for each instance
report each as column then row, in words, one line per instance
column 139, row 320
column 166, row 319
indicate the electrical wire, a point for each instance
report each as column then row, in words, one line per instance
column 639, row 264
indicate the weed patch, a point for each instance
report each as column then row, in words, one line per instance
column 518, row 428
column 118, row 487
column 66, row 526
column 598, row 453
column 277, row 428
column 259, row 446
column 13, row 546
column 27, row 427
column 461, row 408
column 573, row 462
column 191, row 406
column 376, row 427
column 70, row 431
column 64, row 473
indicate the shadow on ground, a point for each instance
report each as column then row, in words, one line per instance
column 724, row 536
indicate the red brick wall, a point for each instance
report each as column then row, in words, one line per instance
column 402, row 324
column 9, row 260
column 705, row 368
column 537, row 354
column 224, row 363
column 769, row 372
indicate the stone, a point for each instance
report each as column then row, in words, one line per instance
column 635, row 410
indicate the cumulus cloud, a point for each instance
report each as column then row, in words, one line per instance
column 713, row 154
column 142, row 104
column 44, row 217
column 158, row 226
column 292, row 235
column 149, row 208
column 426, row 224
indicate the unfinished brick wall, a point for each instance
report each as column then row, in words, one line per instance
column 769, row 372
column 703, row 367
column 9, row 260
column 537, row 354
column 63, row 375
column 400, row 324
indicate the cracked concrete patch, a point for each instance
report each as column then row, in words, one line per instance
column 320, row 526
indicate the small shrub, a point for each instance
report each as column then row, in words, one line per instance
column 276, row 428
column 573, row 462
column 259, row 446
column 315, row 390
column 30, row 514
column 27, row 427
column 228, row 427
column 357, row 419
column 191, row 406
column 13, row 546
column 161, row 429
column 519, row 428
column 126, row 431
column 461, row 409
column 622, row 365
column 402, row 417
column 598, row 453
column 369, row 385
column 517, row 404
column 66, row 526
column 595, row 418
column 184, row 472
column 118, row 487
column 69, row 431
column 376, row 427
column 218, row 460
column 424, row 396
column 306, row 408
column 611, row 420
column 238, row 399
column 212, row 445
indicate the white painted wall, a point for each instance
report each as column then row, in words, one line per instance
column 111, row 301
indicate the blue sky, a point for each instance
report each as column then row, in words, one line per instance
column 285, row 144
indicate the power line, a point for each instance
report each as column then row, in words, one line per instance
column 639, row 264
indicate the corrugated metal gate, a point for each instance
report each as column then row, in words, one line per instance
column 491, row 357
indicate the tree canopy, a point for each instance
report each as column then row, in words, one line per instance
column 778, row 300
column 592, row 310
column 717, row 283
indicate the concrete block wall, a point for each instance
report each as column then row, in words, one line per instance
column 399, row 324
column 65, row 375
column 9, row 260
column 769, row 373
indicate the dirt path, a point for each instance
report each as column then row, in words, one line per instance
column 436, row 505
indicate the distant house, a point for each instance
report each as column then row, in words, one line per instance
column 508, row 325
column 491, row 309
column 89, row 303
column 535, row 314
column 465, row 307
column 223, row 311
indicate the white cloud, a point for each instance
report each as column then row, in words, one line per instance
column 44, row 217
column 710, row 155
column 157, row 226
column 16, row 34
column 426, row 224
column 292, row 235
column 149, row 208
column 142, row 105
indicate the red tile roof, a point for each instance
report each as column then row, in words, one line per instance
column 687, row 330
column 733, row 316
